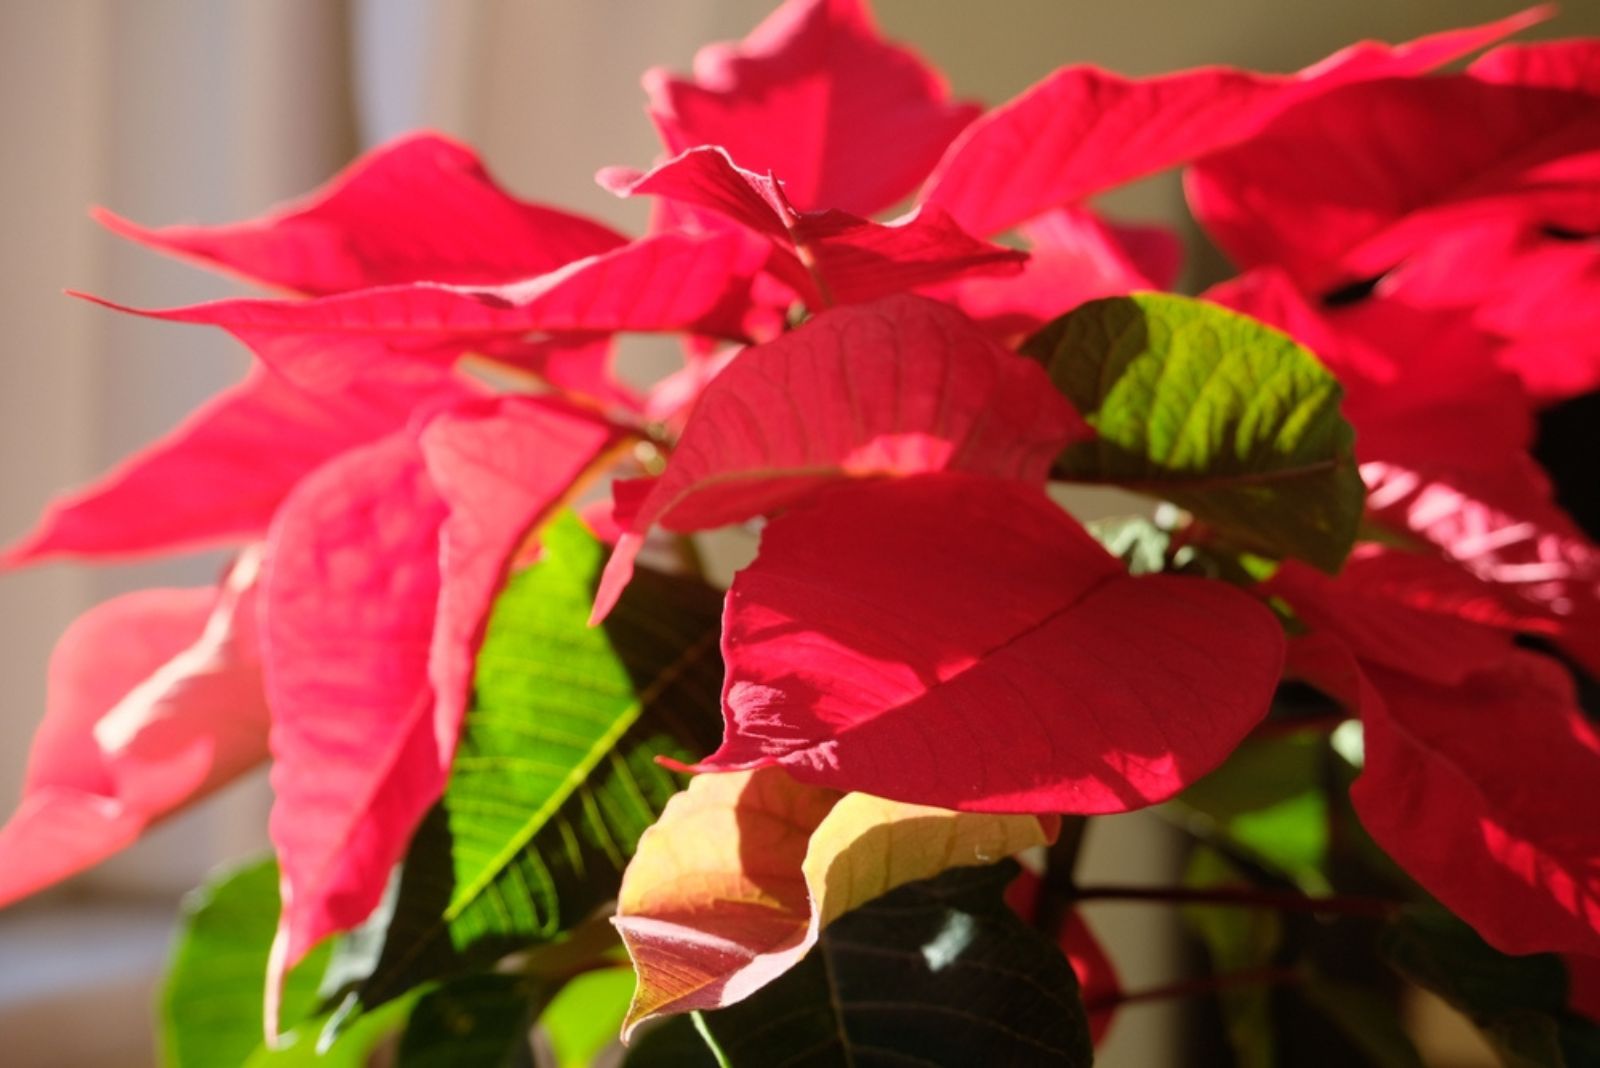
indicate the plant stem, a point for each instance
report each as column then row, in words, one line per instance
column 1058, row 890
column 1242, row 897
column 690, row 554
column 710, row 1040
column 1192, row 987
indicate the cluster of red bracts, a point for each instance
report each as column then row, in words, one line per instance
column 913, row 568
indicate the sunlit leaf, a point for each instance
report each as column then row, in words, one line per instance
column 555, row 777
column 735, row 882
column 1267, row 799
column 1213, row 411
column 211, row 1003
column 586, row 1016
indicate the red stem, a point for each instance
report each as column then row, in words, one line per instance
column 1242, row 897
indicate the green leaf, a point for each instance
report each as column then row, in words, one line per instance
column 1237, row 940
column 586, row 1016
column 211, row 1003
column 1518, row 1003
column 355, row 1047
column 479, row 1020
column 1266, row 802
column 1214, row 412
column 555, row 777
column 939, row 972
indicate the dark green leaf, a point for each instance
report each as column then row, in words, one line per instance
column 939, row 972
column 1215, row 412
column 586, row 1016
column 1518, row 1003
column 479, row 1020
column 1580, row 1039
column 672, row 1043
column 211, row 1004
column 555, row 778
column 1266, row 801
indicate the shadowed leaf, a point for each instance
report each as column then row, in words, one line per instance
column 939, row 972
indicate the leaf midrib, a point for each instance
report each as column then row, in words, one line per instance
column 571, row 783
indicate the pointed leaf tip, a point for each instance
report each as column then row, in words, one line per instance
column 736, row 881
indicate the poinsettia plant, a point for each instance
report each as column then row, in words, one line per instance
column 534, row 774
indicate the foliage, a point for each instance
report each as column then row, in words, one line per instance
column 468, row 627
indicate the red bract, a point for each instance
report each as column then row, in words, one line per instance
column 1547, row 65
column 383, row 566
column 155, row 701
column 1470, row 786
column 1073, row 256
column 875, row 621
column 898, row 387
column 1535, row 291
column 668, row 282
column 1083, row 130
column 421, row 209
column 1508, row 535
column 575, row 365
column 501, row 466
column 220, row 475
column 350, row 595
column 1421, row 386
column 1405, row 611
column 814, row 95
column 826, row 256
column 1444, row 433
column 1513, row 197
column 1472, row 790
column 923, row 625
column 787, row 78
column 1348, row 185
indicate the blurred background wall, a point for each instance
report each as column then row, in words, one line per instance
column 209, row 110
